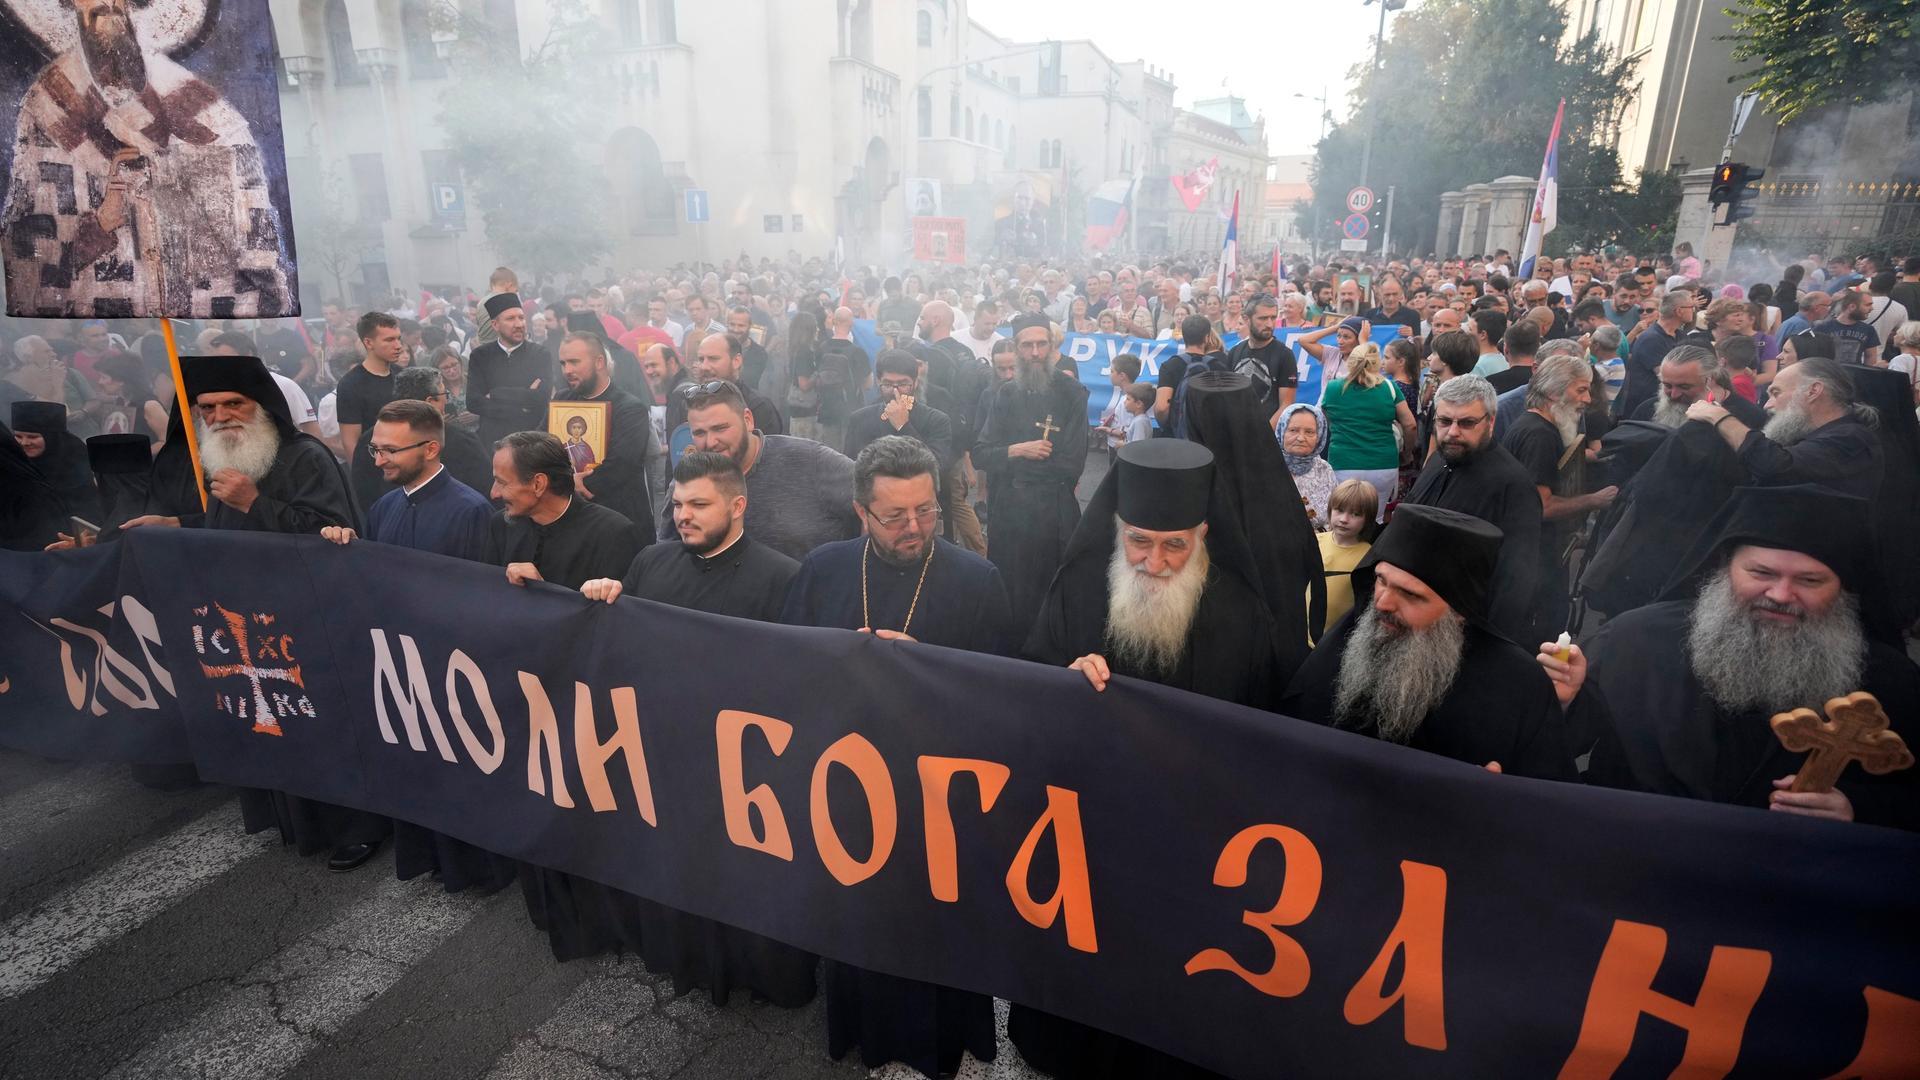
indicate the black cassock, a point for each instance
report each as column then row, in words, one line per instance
column 585, row 542
column 30, row 508
column 619, row 483
column 1493, row 487
column 1034, row 510
column 1230, row 648
column 304, row 492
column 1653, row 728
column 502, row 390
column 961, row 606
column 1501, row 707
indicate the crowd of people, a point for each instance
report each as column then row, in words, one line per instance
column 1596, row 523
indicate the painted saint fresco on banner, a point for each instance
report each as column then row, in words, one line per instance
column 145, row 170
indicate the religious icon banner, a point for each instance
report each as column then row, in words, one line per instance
column 1252, row 893
column 146, row 174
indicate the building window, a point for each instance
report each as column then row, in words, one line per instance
column 969, row 125
column 440, row 171
column 1011, row 143
column 923, row 112
column 423, row 60
column 773, row 223
column 1013, row 83
column 369, row 186
column 1046, row 151
column 923, row 29
column 1055, row 162
column 346, row 67
column 503, row 28
column 799, row 223
column 998, row 134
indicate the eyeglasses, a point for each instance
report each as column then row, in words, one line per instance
column 388, row 451
column 926, row 516
column 1464, row 423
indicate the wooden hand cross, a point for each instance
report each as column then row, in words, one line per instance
column 1855, row 730
column 1047, row 427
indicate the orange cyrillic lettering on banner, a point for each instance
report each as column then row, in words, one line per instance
column 1889, row 1049
column 860, row 758
column 1074, row 892
column 594, row 754
column 1418, row 934
column 1623, row 989
column 1298, row 893
column 737, row 802
column 936, row 777
column 543, row 740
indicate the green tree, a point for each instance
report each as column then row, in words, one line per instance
column 1465, row 92
column 515, row 124
column 1812, row 53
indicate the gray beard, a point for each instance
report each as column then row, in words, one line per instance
column 113, row 55
column 1148, row 619
column 1395, row 679
column 1789, row 424
column 1745, row 664
column 1669, row 413
column 252, row 454
column 1035, row 378
column 1566, row 418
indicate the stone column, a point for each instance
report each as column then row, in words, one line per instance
column 1446, row 241
column 1474, row 199
column 1714, row 246
column 1507, row 218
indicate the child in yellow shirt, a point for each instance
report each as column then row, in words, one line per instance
column 1350, row 511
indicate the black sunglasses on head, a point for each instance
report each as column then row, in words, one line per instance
column 694, row 390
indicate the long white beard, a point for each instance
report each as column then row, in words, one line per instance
column 1393, row 677
column 1669, row 413
column 1148, row 617
column 249, row 448
column 1745, row 663
column 1789, row 424
column 1566, row 417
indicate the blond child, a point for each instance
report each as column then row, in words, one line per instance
column 1350, row 510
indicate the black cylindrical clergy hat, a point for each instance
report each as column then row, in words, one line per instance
column 1812, row 519
column 501, row 303
column 40, row 417
column 1032, row 320
column 1451, row 552
column 1165, row 484
column 113, row 454
column 585, row 322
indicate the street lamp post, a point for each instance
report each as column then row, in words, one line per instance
column 1373, row 110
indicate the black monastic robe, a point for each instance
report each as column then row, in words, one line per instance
column 1653, row 727
column 1493, row 487
column 1034, row 508
column 585, row 542
column 961, row 606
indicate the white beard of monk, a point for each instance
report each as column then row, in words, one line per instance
column 1149, row 615
column 112, row 50
column 1395, row 676
column 1744, row 663
column 248, row 447
column 1669, row 413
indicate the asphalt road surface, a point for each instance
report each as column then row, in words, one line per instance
column 143, row 935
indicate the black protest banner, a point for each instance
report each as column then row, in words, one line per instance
column 1252, row 893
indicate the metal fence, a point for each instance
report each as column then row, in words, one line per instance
column 1809, row 213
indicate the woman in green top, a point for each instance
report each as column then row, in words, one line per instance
column 1363, row 411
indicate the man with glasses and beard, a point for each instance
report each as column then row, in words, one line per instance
column 1819, row 431
column 1764, row 618
column 1546, row 441
column 1034, row 447
column 1418, row 662
column 902, row 582
column 799, row 493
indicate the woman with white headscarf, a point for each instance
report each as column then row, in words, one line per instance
column 1303, row 441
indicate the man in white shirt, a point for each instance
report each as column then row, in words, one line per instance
column 979, row 335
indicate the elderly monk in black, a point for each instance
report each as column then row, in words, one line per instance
column 902, row 582
column 717, row 568
column 1819, row 432
column 1149, row 589
column 1472, row 473
column 544, row 531
column 1033, row 448
column 509, row 379
column 1763, row 618
column 1418, row 662
column 265, row 475
column 619, row 482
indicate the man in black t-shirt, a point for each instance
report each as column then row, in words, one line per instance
column 1546, row 441
column 362, row 393
column 1283, row 375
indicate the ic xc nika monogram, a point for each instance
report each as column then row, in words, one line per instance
column 246, row 646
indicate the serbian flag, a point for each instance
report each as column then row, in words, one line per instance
column 1194, row 184
column 1230, row 249
column 1546, row 198
column 1279, row 268
column 1108, row 208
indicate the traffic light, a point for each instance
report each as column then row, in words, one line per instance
column 1733, row 185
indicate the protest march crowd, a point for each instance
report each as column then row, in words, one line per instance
column 1593, row 520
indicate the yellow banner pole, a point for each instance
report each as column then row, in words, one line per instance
column 186, row 410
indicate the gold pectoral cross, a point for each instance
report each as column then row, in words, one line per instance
column 1047, row 427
